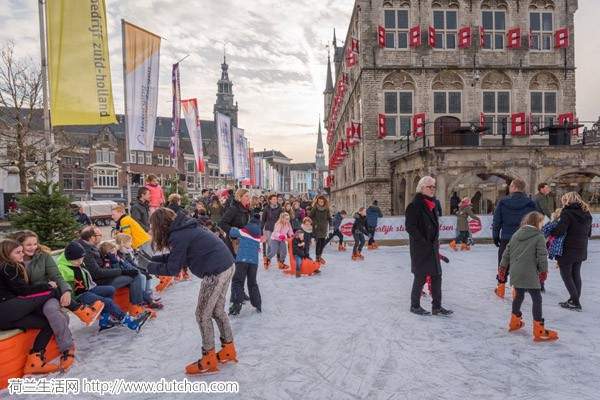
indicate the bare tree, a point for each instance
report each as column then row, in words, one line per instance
column 25, row 143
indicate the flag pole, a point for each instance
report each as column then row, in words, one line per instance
column 49, row 137
column 127, row 155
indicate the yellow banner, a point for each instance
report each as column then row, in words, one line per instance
column 78, row 63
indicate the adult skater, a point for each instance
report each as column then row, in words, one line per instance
column 422, row 225
column 320, row 216
column 236, row 216
column 507, row 218
column 373, row 214
column 544, row 200
column 576, row 223
column 208, row 258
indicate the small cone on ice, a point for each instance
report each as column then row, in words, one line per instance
column 207, row 364
column 500, row 290
column 227, row 353
column 541, row 334
column 516, row 322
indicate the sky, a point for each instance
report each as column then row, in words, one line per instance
column 277, row 55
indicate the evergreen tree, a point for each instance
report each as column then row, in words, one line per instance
column 46, row 211
column 174, row 186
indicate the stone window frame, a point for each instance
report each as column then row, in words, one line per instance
column 396, row 31
column 542, row 33
column 492, row 33
column 160, row 159
column 104, row 177
column 447, row 112
column 67, row 177
column 148, row 158
column 543, row 116
column 445, row 32
column 133, row 157
column 494, row 118
column 399, row 134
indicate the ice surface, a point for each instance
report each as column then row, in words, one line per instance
column 348, row 334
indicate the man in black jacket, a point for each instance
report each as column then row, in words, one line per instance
column 90, row 238
column 270, row 215
column 423, row 226
column 140, row 208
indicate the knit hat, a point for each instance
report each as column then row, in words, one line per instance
column 74, row 251
column 253, row 226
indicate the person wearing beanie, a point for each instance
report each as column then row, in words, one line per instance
column 373, row 214
column 85, row 290
column 465, row 211
column 246, row 265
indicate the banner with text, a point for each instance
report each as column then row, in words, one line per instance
column 141, row 56
column 192, row 121
column 176, row 114
column 78, row 63
column 225, row 146
column 238, row 153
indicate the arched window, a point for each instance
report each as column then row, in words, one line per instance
column 445, row 22
column 494, row 21
column 396, row 20
column 398, row 99
column 543, row 89
column 447, row 89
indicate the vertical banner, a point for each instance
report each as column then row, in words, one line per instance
column 238, row 153
column 252, row 163
column 176, row 115
column 225, row 146
column 141, row 56
column 192, row 121
column 78, row 63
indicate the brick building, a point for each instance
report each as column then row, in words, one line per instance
column 420, row 78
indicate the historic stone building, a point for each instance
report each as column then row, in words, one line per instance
column 428, row 74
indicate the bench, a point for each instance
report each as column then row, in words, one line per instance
column 15, row 345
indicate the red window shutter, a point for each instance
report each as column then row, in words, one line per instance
column 345, row 78
column 415, row 36
column 481, row 37
column 418, row 122
column 569, row 118
column 561, row 38
column 514, row 38
column 464, row 37
column 431, row 37
column 482, row 120
column 351, row 58
column 518, row 124
column 381, row 36
column 382, row 127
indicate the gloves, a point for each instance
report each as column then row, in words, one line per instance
column 543, row 276
column 502, row 274
column 281, row 238
column 444, row 259
column 130, row 272
column 497, row 241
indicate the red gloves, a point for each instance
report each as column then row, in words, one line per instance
column 543, row 276
column 502, row 273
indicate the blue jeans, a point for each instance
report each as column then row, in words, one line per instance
column 104, row 294
column 298, row 263
column 136, row 287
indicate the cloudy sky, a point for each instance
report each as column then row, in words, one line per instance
column 277, row 55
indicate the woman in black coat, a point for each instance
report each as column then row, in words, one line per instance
column 576, row 222
column 236, row 216
column 423, row 226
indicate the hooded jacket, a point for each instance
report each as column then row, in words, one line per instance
column 373, row 214
column 157, row 196
column 576, row 224
column 12, row 284
column 42, row 268
column 360, row 224
column 78, row 278
column 463, row 214
column 128, row 225
column 526, row 256
column 141, row 213
column 269, row 217
column 249, row 237
column 508, row 214
column 94, row 264
column 192, row 246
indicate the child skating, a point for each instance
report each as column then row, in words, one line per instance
column 281, row 232
column 359, row 230
column 465, row 211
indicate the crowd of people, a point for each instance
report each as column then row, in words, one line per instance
column 220, row 238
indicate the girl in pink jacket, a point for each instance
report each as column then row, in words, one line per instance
column 281, row 232
column 157, row 196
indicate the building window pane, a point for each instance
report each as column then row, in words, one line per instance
column 406, row 103
column 390, row 19
column 391, row 103
column 499, row 41
column 494, row 24
column 488, row 20
column 550, row 102
column 499, row 20
column 438, row 19
column 403, row 19
column 454, row 102
column 547, row 21
column 489, row 102
column 450, row 41
column 389, row 40
column 405, row 125
column 439, row 102
column 390, row 126
column 534, row 21
column 503, row 102
column 536, row 102
column 149, row 158
column 402, row 40
column 451, row 20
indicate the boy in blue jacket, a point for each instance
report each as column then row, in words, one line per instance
column 246, row 265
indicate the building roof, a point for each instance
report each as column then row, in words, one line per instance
column 303, row 166
column 329, row 83
column 270, row 154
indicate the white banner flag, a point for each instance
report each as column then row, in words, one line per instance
column 190, row 113
column 142, row 55
column 238, row 150
column 225, row 145
column 246, row 160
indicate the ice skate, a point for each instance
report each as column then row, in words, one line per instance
column 541, row 334
column 227, row 353
column 500, row 288
column 516, row 322
column 207, row 364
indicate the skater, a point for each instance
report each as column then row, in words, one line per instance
column 337, row 222
column 527, row 258
column 320, row 216
column 359, row 230
column 423, row 228
column 236, row 216
column 507, row 217
column 373, row 214
column 299, row 251
column 575, row 223
column 307, row 230
column 282, row 231
column 246, row 266
column 157, row 195
column 465, row 211
column 544, row 200
column 270, row 215
column 208, row 258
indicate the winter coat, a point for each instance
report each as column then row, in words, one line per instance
column 508, row 214
column 282, row 230
column 215, row 212
column 176, row 208
column 269, row 217
column 545, row 204
column 42, row 268
column 462, row 221
column 526, row 256
column 128, row 225
column 83, row 218
column 554, row 244
column 373, row 214
column 94, row 264
column 423, row 229
column 141, row 213
column 337, row 221
column 194, row 247
column 360, row 224
column 157, row 196
column 249, row 237
column 236, row 216
column 12, row 284
column 320, row 217
column 297, row 250
column 576, row 224
column 79, row 279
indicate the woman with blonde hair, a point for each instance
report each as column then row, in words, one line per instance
column 575, row 223
column 236, row 216
column 281, row 232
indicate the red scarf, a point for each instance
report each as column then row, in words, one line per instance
column 429, row 203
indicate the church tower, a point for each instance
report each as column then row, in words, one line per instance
column 224, row 103
column 328, row 93
column 320, row 158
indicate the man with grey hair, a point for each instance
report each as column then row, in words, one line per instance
column 422, row 225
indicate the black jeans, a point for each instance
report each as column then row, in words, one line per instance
column 359, row 242
column 20, row 313
column 463, row 237
column 417, row 288
column 536, row 297
column 336, row 232
column 320, row 246
column 571, row 276
column 371, row 230
column 503, row 244
column 243, row 272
